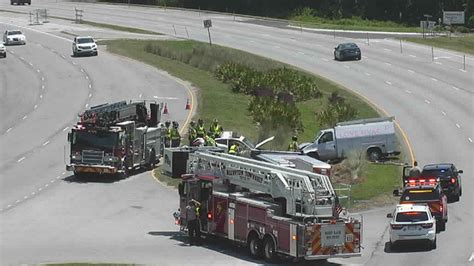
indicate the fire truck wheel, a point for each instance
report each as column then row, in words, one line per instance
column 269, row 250
column 255, row 246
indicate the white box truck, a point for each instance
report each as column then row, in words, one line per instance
column 375, row 136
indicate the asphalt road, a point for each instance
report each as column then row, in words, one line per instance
column 430, row 92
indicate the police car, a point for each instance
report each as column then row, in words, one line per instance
column 412, row 222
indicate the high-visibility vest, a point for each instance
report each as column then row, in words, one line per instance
column 200, row 131
column 168, row 133
column 175, row 134
column 293, row 146
column 210, row 142
column 192, row 133
column 216, row 130
column 233, row 149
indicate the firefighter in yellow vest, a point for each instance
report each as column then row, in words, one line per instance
column 200, row 130
column 215, row 130
column 192, row 134
column 175, row 136
column 293, row 146
column 209, row 141
column 234, row 149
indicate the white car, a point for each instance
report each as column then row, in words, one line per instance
column 412, row 222
column 84, row 45
column 228, row 138
column 3, row 50
column 14, row 37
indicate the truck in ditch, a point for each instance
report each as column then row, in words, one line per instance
column 272, row 210
column 376, row 137
column 116, row 138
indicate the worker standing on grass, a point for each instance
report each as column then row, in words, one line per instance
column 293, row 146
column 175, row 136
column 192, row 218
column 192, row 134
column 168, row 134
column 234, row 149
column 215, row 130
column 200, row 130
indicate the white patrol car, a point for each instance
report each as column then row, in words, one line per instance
column 13, row 37
column 84, row 45
column 412, row 222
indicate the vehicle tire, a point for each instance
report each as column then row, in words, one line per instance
column 314, row 155
column 152, row 160
column 393, row 245
column 456, row 197
column 96, row 53
column 335, row 57
column 433, row 244
column 255, row 247
column 460, row 189
column 269, row 250
column 74, row 54
column 442, row 226
column 374, row 154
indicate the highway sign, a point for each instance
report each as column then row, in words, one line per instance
column 453, row 17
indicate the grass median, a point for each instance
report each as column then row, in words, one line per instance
column 463, row 44
column 216, row 100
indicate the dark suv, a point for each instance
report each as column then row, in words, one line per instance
column 449, row 177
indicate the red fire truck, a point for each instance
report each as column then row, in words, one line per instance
column 273, row 210
column 116, row 138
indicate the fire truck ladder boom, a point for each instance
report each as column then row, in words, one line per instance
column 306, row 193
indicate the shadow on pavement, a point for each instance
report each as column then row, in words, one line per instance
column 224, row 246
column 410, row 247
column 100, row 178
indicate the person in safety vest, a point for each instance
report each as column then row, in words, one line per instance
column 192, row 218
column 209, row 141
column 175, row 136
column 192, row 134
column 215, row 130
column 293, row 146
column 200, row 130
column 168, row 134
column 234, row 149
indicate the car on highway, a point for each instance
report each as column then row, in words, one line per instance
column 84, row 45
column 3, row 50
column 18, row 2
column 346, row 51
column 427, row 192
column 412, row 222
column 14, row 37
column 449, row 177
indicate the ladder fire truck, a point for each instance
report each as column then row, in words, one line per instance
column 272, row 210
column 115, row 138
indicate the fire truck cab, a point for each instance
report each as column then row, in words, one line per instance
column 272, row 210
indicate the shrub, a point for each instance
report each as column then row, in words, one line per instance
column 470, row 22
column 462, row 29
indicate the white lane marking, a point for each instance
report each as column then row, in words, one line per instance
column 58, row 177
column 276, row 46
column 31, row 64
column 414, row 56
column 42, row 78
column 33, row 193
column 387, row 50
column 458, row 125
column 454, row 87
column 471, row 257
column 74, row 63
column 87, row 105
column 47, row 185
column 433, row 79
column 82, row 70
column 388, row 82
column 42, row 87
column 25, row 117
column 63, row 173
column 462, row 70
column 21, row 57
column 443, row 112
column 87, row 77
column 90, row 86
column 21, row 159
column 52, row 181
column 46, row 143
column 325, row 60
column 139, row 96
column 9, row 205
column 367, row 73
column 438, row 63
column 299, row 52
column 347, row 66
column 66, row 128
column 63, row 56
column 411, row 71
column 407, row 91
column 470, row 140
column 166, row 98
column 90, row 95
column 17, row 201
column 25, row 197
column 36, row 106
column 426, row 101
column 39, row 189
column 388, row 64
column 41, row 96
column 38, row 71
column 8, row 130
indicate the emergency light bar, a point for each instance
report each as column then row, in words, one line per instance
column 429, row 181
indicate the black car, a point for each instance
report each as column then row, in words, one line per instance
column 347, row 51
column 449, row 177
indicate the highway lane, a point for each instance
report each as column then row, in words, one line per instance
column 431, row 124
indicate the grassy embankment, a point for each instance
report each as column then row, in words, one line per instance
column 463, row 44
column 216, row 100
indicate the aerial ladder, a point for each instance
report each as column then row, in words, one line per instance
column 306, row 193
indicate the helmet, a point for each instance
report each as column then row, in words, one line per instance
column 295, row 138
column 193, row 123
column 167, row 123
column 200, row 121
column 216, row 121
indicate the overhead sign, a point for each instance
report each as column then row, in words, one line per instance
column 207, row 23
column 453, row 17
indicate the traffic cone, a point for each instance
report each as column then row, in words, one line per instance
column 165, row 110
column 188, row 106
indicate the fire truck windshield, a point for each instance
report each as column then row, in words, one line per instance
column 98, row 139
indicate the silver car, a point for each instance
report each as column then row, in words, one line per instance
column 14, row 37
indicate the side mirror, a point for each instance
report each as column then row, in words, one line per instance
column 460, row 171
column 396, row 192
column 389, row 215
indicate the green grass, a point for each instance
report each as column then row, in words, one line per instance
column 463, row 44
column 350, row 24
column 379, row 180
